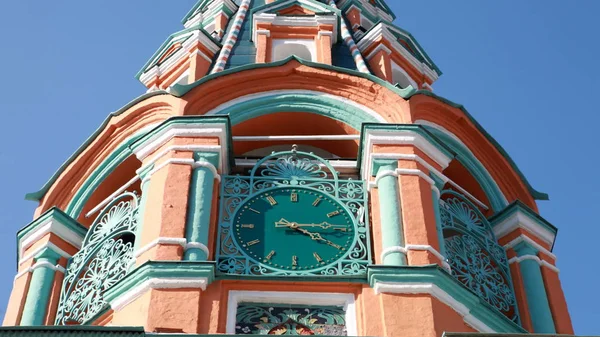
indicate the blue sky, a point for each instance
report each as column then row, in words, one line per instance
column 527, row 70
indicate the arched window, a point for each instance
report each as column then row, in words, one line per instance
column 105, row 257
column 283, row 49
column 475, row 257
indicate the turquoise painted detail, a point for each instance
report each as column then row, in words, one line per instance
column 293, row 199
column 106, row 256
column 174, row 38
column 298, row 102
column 181, row 90
column 200, row 205
column 40, row 287
column 415, row 128
column 161, row 270
column 278, row 319
column 474, row 166
column 535, row 291
column 53, row 214
column 475, row 257
column 433, row 274
column 144, row 175
column 519, row 207
column 392, row 231
column 200, row 6
column 439, row 184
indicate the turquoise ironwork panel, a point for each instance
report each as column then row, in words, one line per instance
column 266, row 319
column 292, row 216
column 475, row 257
column 105, row 257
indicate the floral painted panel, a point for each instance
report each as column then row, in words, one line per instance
column 266, row 319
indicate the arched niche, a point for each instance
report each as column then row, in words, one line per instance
column 284, row 48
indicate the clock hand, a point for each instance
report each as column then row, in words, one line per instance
column 314, row 236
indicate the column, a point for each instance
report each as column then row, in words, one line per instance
column 40, row 288
column 535, row 291
column 389, row 208
column 200, row 205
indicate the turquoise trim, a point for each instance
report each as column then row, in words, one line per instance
column 145, row 184
column 519, row 207
column 201, row 4
column 163, row 270
column 170, row 40
column 392, row 232
column 53, row 214
column 418, row 52
column 40, row 288
column 180, row 90
column 535, row 291
column 37, row 196
column 416, row 128
column 433, row 274
column 297, row 102
column 200, row 206
column 534, row 193
column 477, row 170
column 435, row 195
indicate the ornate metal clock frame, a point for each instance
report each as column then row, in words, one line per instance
column 285, row 170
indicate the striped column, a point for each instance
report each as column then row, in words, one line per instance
column 349, row 40
column 232, row 37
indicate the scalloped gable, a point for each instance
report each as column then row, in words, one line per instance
column 281, row 6
column 167, row 49
column 406, row 39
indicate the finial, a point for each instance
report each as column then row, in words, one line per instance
column 294, row 150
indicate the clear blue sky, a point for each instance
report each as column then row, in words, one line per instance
column 527, row 70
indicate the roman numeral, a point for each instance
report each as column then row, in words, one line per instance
column 318, row 258
column 294, row 197
column 253, row 242
column 294, row 261
column 332, row 214
column 268, row 257
column 248, row 226
column 317, row 201
column 272, row 200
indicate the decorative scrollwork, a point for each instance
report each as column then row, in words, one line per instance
column 264, row 319
column 105, row 257
column 475, row 258
column 282, row 170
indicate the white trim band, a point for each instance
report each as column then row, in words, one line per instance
column 50, row 245
column 529, row 241
column 161, row 241
column 536, row 259
column 157, row 283
column 404, row 250
column 41, row 264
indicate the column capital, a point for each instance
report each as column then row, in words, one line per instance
column 48, row 254
column 374, row 134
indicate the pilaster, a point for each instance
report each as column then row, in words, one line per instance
column 44, row 247
column 187, row 154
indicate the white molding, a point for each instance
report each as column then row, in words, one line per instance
column 529, row 241
column 189, row 130
column 49, row 245
column 181, row 161
column 523, row 221
column 51, row 226
column 398, row 137
column 345, row 300
column 464, row 147
column 536, row 259
column 41, row 264
column 310, row 44
column 295, row 21
column 404, row 250
column 251, row 97
column 160, row 241
column 197, row 245
column 302, row 137
column 157, row 283
column 437, row 292
column 378, row 49
column 263, row 32
column 395, row 66
column 381, row 30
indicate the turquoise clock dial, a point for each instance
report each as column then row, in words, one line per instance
column 294, row 228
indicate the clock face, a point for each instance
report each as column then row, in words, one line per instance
column 294, row 228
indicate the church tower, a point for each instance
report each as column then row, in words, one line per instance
column 288, row 171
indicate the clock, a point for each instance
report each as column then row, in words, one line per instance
column 293, row 228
